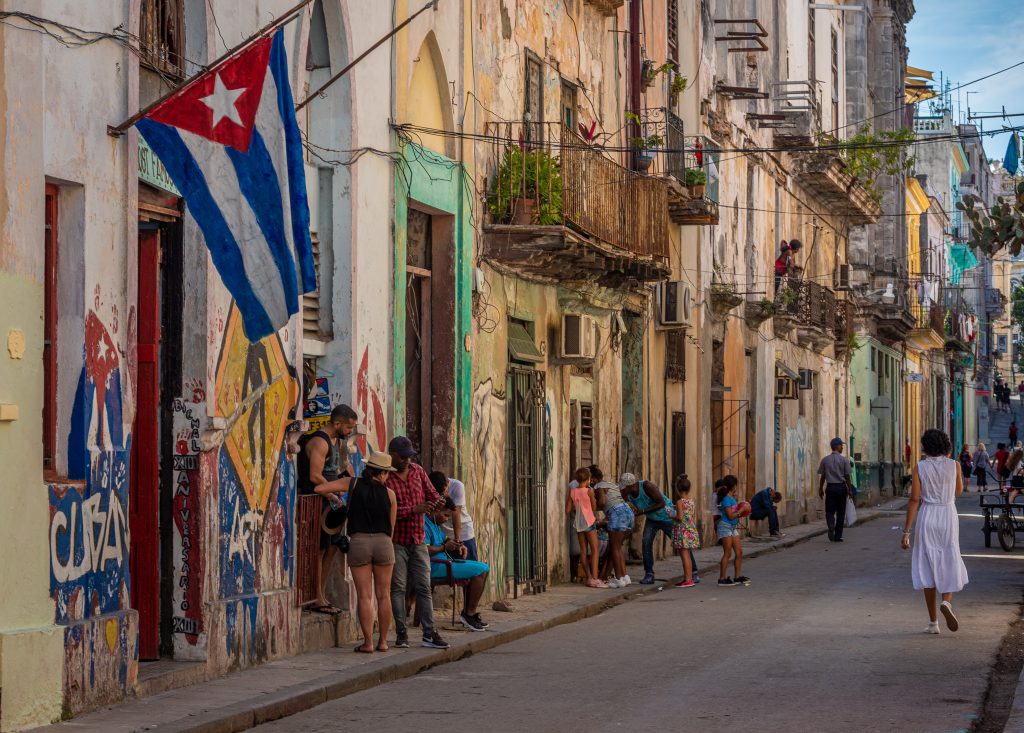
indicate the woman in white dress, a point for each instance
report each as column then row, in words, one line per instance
column 936, row 565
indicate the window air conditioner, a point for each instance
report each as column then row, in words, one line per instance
column 785, row 388
column 579, row 337
column 674, row 304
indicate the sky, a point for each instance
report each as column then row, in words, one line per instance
column 966, row 41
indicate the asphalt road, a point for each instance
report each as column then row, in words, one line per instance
column 827, row 638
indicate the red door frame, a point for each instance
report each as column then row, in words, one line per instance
column 50, row 289
column 144, row 507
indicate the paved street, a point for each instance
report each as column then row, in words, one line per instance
column 827, row 637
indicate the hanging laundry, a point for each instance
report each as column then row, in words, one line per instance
column 1012, row 158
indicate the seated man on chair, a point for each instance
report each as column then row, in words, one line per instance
column 762, row 506
column 469, row 572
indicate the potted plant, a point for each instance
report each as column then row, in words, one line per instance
column 695, row 180
column 644, row 148
column 527, row 188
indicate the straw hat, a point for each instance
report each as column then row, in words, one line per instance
column 378, row 460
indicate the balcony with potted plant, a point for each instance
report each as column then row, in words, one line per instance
column 559, row 208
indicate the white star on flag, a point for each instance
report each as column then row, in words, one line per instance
column 223, row 102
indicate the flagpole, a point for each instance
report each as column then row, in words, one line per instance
column 364, row 54
column 118, row 130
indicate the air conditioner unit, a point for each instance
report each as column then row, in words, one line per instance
column 579, row 337
column 785, row 388
column 674, row 304
column 843, row 278
column 806, row 379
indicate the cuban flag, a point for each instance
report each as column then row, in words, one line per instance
column 230, row 143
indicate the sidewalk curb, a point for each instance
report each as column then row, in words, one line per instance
column 288, row 701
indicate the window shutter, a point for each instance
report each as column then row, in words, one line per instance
column 311, row 301
column 162, row 36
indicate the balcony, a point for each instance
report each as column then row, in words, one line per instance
column 807, row 308
column 995, row 303
column 606, row 7
column 689, row 166
column 560, row 209
column 797, row 105
column 825, row 176
column 929, row 331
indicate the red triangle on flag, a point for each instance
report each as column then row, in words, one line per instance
column 221, row 104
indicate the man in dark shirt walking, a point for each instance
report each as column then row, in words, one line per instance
column 416, row 497
column 834, row 487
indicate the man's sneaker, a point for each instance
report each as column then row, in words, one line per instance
column 839, row 539
column 648, row 579
column 831, row 536
column 742, row 580
column 933, row 627
column 480, row 622
column 402, row 641
column 778, row 535
column 947, row 612
column 625, row 580
column 469, row 622
column 685, row 584
column 614, row 582
column 726, row 581
column 434, row 641
column 696, row 578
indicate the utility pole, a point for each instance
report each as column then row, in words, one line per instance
column 635, row 63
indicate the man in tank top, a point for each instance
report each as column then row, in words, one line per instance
column 319, row 470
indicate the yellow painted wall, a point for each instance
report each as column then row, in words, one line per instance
column 423, row 103
column 31, row 647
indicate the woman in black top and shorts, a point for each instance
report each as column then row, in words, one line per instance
column 371, row 556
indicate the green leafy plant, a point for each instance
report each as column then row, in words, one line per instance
column 786, row 297
column 694, row 177
column 1001, row 228
column 643, row 142
column 868, row 155
column 1017, row 309
column 527, row 174
column 676, row 87
column 853, row 343
column 649, row 72
column 766, row 305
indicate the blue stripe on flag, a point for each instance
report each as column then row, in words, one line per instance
column 296, row 167
column 258, row 182
column 188, row 177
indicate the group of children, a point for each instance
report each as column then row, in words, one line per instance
column 583, row 503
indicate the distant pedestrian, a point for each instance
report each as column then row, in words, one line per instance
column 762, row 506
column 1012, row 432
column 966, row 464
column 684, row 531
column 936, row 565
column 981, row 466
column 908, row 452
column 729, row 534
column 581, row 505
column 619, row 519
column 835, row 488
column 1000, row 457
column 1020, row 391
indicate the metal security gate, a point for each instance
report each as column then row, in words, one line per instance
column 527, row 489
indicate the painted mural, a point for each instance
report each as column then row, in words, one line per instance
column 256, row 392
column 488, row 480
column 89, row 536
column 370, row 406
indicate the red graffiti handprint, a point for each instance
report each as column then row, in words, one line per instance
column 370, row 406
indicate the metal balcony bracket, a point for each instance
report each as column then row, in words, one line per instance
column 746, row 36
column 731, row 92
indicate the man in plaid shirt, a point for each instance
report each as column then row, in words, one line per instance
column 416, row 497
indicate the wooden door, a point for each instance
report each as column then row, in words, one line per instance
column 144, row 505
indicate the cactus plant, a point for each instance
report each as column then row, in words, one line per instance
column 1001, row 228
